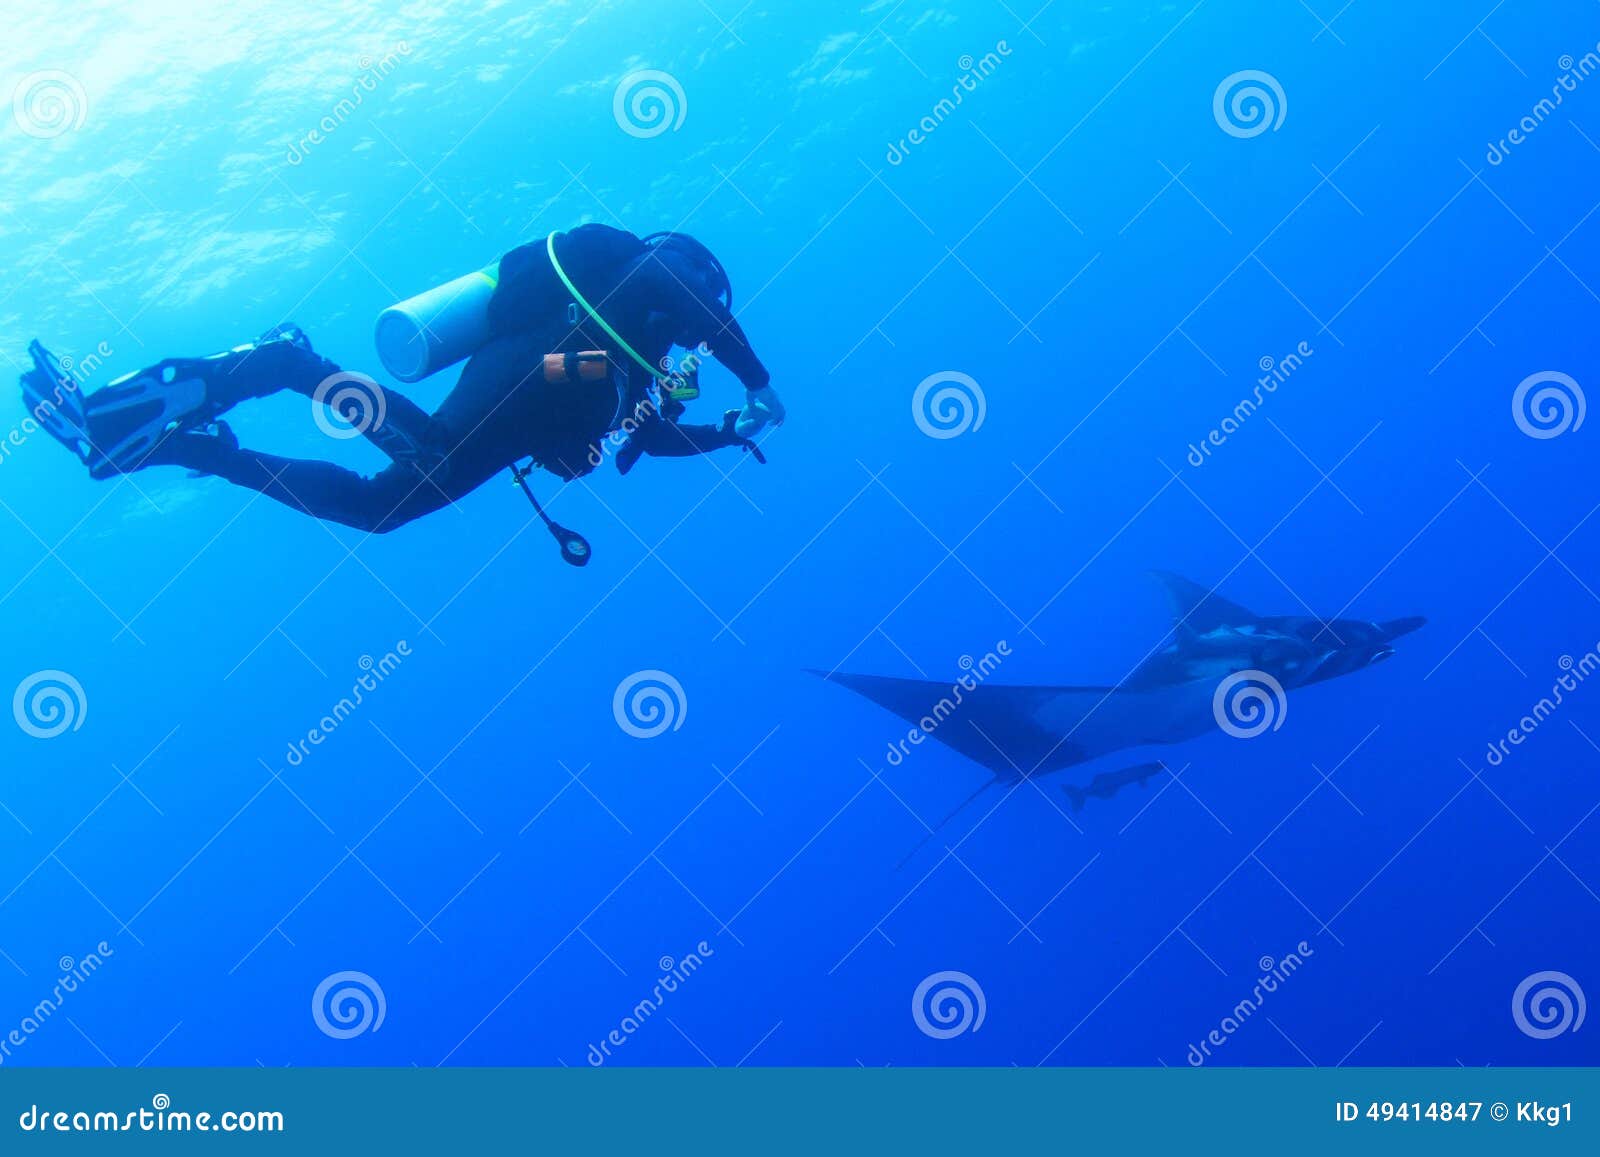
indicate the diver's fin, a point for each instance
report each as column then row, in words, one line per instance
column 1198, row 609
column 288, row 332
column 132, row 415
column 52, row 397
column 1075, row 796
column 129, row 417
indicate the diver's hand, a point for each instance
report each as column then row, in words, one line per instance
column 761, row 407
column 729, row 429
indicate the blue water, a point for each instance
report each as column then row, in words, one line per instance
column 1081, row 236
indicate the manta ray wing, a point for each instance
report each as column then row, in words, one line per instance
column 1092, row 725
column 1033, row 730
column 1012, row 731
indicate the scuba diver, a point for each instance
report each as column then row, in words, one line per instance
column 574, row 352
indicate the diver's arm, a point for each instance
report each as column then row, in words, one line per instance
column 693, row 320
column 663, row 439
column 727, row 343
column 729, row 346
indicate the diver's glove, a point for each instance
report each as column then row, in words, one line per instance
column 730, row 430
column 761, row 407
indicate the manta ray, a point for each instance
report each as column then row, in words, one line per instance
column 1221, row 667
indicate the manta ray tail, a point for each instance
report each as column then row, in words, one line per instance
column 938, row 827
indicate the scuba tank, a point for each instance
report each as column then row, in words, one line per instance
column 436, row 329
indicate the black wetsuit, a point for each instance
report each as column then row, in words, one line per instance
column 502, row 409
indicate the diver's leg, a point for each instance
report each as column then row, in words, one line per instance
column 376, row 504
column 130, row 418
column 500, row 408
column 426, row 471
column 280, row 359
column 394, row 424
